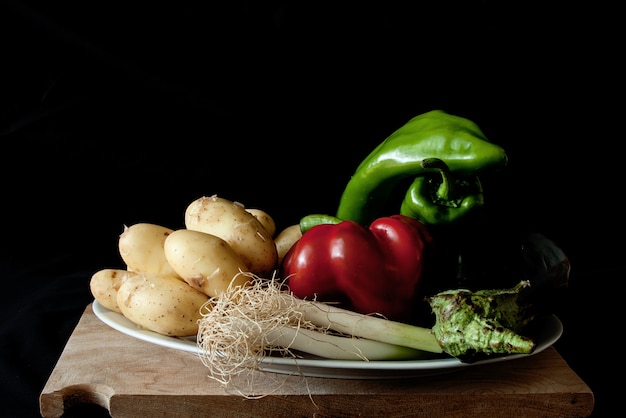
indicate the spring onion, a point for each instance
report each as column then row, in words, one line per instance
column 243, row 325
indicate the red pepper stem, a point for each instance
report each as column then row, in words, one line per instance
column 446, row 188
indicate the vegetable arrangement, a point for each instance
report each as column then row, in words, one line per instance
column 354, row 284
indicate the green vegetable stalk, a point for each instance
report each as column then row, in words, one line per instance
column 455, row 141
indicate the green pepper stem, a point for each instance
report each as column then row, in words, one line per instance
column 446, row 190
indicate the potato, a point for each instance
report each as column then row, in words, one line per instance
column 104, row 285
column 205, row 261
column 141, row 248
column 161, row 303
column 266, row 220
column 285, row 240
column 238, row 227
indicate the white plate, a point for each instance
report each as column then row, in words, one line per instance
column 549, row 331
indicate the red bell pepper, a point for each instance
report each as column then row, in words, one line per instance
column 376, row 270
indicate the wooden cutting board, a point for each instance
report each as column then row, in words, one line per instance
column 131, row 378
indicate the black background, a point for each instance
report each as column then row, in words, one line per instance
column 115, row 113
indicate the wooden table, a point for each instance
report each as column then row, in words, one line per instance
column 131, row 378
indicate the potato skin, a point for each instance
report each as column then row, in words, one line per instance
column 104, row 285
column 205, row 261
column 266, row 220
column 141, row 248
column 239, row 228
column 160, row 303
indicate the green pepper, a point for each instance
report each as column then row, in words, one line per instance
column 455, row 140
column 441, row 198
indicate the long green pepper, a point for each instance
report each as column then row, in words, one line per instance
column 455, row 150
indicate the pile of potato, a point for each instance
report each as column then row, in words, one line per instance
column 172, row 274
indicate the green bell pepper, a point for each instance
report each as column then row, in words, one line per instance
column 456, row 141
column 441, row 198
